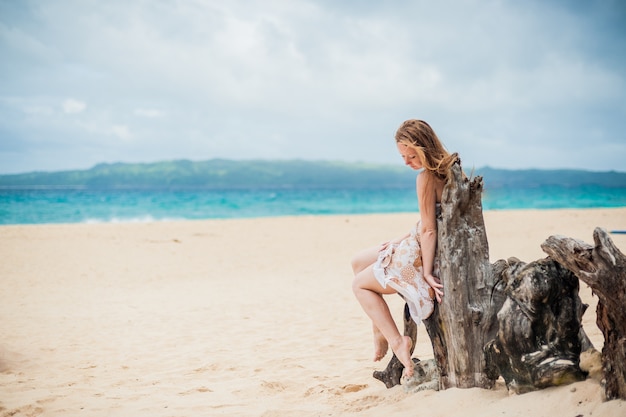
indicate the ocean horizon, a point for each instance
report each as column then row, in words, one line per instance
column 58, row 205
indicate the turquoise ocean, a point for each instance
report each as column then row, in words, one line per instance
column 73, row 205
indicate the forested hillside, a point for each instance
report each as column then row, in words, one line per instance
column 220, row 173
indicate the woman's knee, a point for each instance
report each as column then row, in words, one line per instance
column 366, row 280
column 363, row 259
column 357, row 282
column 356, row 263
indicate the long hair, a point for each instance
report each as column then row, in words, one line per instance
column 418, row 135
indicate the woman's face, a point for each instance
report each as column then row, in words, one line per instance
column 409, row 156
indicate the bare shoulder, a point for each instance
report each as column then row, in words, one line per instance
column 428, row 179
column 427, row 183
column 423, row 178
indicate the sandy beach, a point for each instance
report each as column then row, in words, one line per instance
column 248, row 317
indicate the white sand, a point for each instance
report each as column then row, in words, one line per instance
column 236, row 318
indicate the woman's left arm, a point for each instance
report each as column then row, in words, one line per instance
column 427, row 199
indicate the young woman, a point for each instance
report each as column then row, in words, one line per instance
column 406, row 265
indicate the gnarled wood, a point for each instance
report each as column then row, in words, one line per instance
column 521, row 321
column 603, row 268
column 539, row 333
column 464, row 322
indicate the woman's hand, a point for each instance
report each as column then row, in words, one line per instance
column 435, row 284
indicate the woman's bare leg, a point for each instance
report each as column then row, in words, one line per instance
column 380, row 344
column 360, row 262
column 365, row 258
column 369, row 293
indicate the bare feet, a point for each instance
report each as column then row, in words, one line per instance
column 402, row 349
column 380, row 345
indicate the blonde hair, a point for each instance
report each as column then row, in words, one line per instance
column 418, row 135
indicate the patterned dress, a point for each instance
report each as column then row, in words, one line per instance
column 400, row 267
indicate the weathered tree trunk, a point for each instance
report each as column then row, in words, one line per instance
column 603, row 268
column 539, row 333
column 511, row 319
column 464, row 322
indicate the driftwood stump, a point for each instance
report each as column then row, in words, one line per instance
column 464, row 322
column 520, row 321
column 539, row 337
column 603, row 268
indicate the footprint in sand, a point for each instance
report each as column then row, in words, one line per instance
column 28, row 410
column 196, row 390
column 273, row 386
column 319, row 389
column 353, row 387
column 348, row 388
column 364, row 403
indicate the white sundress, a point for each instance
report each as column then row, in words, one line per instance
column 400, row 267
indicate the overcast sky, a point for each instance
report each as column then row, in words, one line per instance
column 509, row 84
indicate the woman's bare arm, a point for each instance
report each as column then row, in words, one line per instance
column 427, row 199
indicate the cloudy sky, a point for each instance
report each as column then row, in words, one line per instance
column 506, row 83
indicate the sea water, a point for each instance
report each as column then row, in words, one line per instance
column 70, row 205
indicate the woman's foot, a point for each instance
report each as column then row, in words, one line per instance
column 380, row 345
column 402, row 349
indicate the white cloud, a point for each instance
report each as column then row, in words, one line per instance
column 121, row 131
column 71, row 106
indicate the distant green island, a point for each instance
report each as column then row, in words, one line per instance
column 228, row 174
